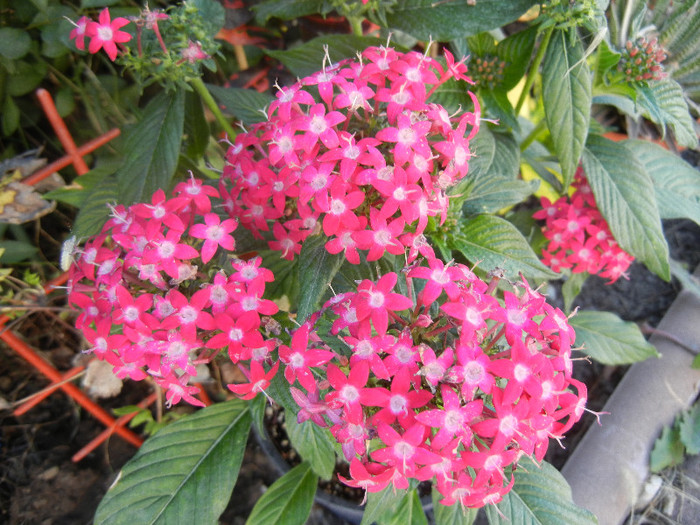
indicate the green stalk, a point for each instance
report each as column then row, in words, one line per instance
column 533, row 70
column 356, row 25
column 203, row 92
column 532, row 135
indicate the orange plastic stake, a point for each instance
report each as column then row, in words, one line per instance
column 119, row 423
column 46, row 392
column 61, row 130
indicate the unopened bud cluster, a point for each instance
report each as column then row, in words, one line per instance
column 487, row 71
column 641, row 60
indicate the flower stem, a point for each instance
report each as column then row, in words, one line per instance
column 356, row 25
column 203, row 92
column 533, row 70
column 532, row 135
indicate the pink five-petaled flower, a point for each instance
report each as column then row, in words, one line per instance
column 105, row 34
column 452, row 420
column 79, row 32
column 258, row 381
column 193, row 53
column 215, row 233
column 299, row 359
column 405, row 452
column 376, row 300
column 361, row 477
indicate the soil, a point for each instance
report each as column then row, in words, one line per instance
column 40, row 485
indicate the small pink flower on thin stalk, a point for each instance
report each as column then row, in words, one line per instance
column 455, row 386
column 106, row 34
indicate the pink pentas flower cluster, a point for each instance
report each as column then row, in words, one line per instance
column 453, row 386
column 156, row 300
column 579, row 237
column 356, row 151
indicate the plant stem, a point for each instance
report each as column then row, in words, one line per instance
column 532, row 135
column 533, row 70
column 203, row 92
column 356, row 25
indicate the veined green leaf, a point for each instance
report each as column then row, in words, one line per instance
column 676, row 183
column 316, row 270
column 246, row 105
column 427, row 19
column 288, row 501
column 409, row 511
column 662, row 102
column 690, row 429
column 451, row 514
column 540, row 496
column 381, row 504
column 668, row 449
column 184, row 473
column 494, row 242
column 93, row 211
column 610, row 340
column 307, row 58
column 623, row 192
column 566, row 94
column 286, row 9
column 515, row 50
column 153, row 147
column 314, row 444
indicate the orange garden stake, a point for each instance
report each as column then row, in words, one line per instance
column 74, row 155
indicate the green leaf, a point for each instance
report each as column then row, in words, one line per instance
column 76, row 193
column 690, row 429
column 245, row 105
column 153, row 147
column 662, row 102
column 668, row 450
column 286, row 9
column 93, row 212
column 213, row 14
column 540, row 496
column 491, row 242
column 86, row 4
column 14, row 42
column 566, row 95
column 314, row 444
column 13, row 252
column 183, row 474
column 607, row 60
column 676, row 183
column 444, row 21
column 452, row 514
column 493, row 194
column 497, row 102
column 10, row 117
column 288, row 501
column 196, row 127
column 453, row 95
column 571, row 288
column 409, row 511
column 316, row 269
column 307, row 58
column 25, row 78
column 515, row 50
column 610, row 340
column 380, row 504
column 623, row 192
